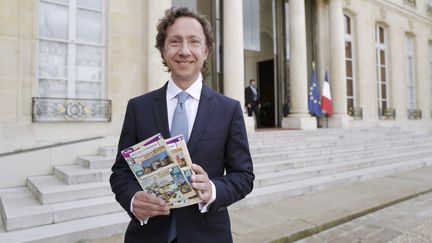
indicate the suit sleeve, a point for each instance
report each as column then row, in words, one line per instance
column 248, row 100
column 123, row 182
column 239, row 177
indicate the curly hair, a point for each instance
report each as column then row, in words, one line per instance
column 170, row 17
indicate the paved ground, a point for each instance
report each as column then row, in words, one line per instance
column 409, row 221
column 298, row 217
column 420, row 234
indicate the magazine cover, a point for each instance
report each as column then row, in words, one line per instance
column 179, row 149
column 158, row 173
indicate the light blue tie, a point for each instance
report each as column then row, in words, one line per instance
column 180, row 120
column 179, row 126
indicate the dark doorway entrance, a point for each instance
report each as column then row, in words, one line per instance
column 267, row 90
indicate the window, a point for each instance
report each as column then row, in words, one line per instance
column 381, row 66
column 251, row 25
column 409, row 50
column 430, row 72
column 349, row 63
column 71, row 49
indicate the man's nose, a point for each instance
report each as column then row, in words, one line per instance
column 185, row 49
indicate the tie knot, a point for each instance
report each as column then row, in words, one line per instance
column 182, row 97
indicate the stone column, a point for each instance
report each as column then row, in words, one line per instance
column 337, row 73
column 156, row 76
column 299, row 117
column 233, row 54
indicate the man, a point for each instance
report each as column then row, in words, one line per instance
column 252, row 101
column 216, row 134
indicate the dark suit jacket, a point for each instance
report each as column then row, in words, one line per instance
column 249, row 97
column 218, row 142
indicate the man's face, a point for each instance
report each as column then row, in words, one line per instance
column 185, row 49
column 253, row 83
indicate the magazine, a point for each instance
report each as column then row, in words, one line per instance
column 158, row 173
column 179, row 149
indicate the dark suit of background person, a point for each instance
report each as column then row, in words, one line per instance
column 218, row 143
column 252, row 102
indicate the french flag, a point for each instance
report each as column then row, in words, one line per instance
column 326, row 101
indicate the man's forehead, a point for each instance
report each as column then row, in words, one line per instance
column 183, row 24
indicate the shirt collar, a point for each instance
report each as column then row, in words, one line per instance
column 194, row 90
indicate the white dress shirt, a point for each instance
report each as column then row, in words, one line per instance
column 191, row 105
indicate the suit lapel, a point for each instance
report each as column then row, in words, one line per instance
column 160, row 112
column 205, row 109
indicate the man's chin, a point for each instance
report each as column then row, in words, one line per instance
column 187, row 77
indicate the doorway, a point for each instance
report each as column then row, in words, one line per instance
column 266, row 87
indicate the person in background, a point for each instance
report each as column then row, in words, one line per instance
column 252, row 101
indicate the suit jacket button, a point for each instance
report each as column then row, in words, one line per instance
column 221, row 209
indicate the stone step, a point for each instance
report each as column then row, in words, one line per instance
column 96, row 161
column 107, row 151
column 327, row 131
column 342, row 143
column 290, row 137
column 265, row 179
column 23, row 210
column 76, row 174
column 50, row 189
column 335, row 151
column 276, row 192
column 80, row 230
column 309, row 161
column 318, row 135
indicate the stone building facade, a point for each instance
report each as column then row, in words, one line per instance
column 68, row 67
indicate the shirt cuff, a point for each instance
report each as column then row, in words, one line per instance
column 204, row 207
column 142, row 221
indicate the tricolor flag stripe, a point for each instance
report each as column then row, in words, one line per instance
column 326, row 101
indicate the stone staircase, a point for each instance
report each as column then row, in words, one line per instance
column 57, row 206
column 291, row 163
column 75, row 203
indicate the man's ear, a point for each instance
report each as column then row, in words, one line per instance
column 206, row 53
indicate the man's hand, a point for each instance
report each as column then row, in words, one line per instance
column 249, row 105
column 201, row 182
column 146, row 205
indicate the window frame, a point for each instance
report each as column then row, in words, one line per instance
column 410, row 71
column 72, row 45
column 430, row 73
column 382, row 47
column 349, row 38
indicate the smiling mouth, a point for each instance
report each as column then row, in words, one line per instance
column 184, row 62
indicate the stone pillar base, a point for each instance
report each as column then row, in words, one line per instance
column 249, row 123
column 304, row 122
column 340, row 121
